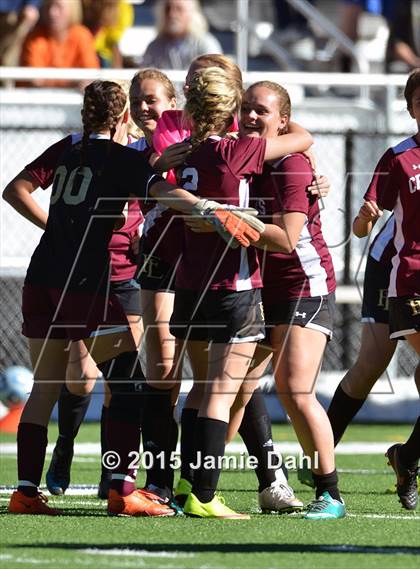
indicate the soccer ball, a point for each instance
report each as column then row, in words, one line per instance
column 15, row 385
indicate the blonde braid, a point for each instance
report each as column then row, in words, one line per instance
column 212, row 100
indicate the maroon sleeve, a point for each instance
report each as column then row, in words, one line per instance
column 389, row 189
column 291, row 178
column 244, row 156
column 380, row 175
column 43, row 167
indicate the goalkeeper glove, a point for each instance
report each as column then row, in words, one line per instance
column 237, row 226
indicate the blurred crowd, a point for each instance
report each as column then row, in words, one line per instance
column 87, row 33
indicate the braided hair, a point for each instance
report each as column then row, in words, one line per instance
column 104, row 103
column 212, row 100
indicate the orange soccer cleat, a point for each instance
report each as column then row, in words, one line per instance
column 135, row 504
column 21, row 504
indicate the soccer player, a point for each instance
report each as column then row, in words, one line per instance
column 65, row 296
column 217, row 298
column 158, row 95
column 255, row 423
column 400, row 193
column 298, row 290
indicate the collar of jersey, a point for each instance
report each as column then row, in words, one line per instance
column 100, row 136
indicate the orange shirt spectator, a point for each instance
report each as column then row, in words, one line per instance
column 59, row 42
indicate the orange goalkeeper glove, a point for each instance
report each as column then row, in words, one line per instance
column 235, row 225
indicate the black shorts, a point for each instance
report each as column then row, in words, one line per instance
column 223, row 316
column 315, row 312
column 404, row 316
column 154, row 273
column 375, row 307
column 128, row 293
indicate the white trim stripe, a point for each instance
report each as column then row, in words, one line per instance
column 382, row 239
column 256, row 338
column 243, row 282
column 402, row 333
column 106, row 331
column 311, row 263
column 399, row 244
column 319, row 328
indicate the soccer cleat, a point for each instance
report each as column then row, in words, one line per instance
column 135, row 504
column 148, row 493
column 305, row 477
column 214, row 509
column 103, row 487
column 278, row 498
column 21, row 504
column 182, row 491
column 58, row 473
column 325, row 508
column 407, row 489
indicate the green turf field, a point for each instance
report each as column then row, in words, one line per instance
column 376, row 533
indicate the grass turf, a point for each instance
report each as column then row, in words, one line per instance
column 377, row 532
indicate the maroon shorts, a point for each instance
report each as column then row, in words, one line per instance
column 50, row 313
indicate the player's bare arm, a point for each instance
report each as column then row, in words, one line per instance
column 283, row 235
column 365, row 220
column 319, row 187
column 298, row 139
column 18, row 194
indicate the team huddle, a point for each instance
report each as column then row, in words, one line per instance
column 202, row 238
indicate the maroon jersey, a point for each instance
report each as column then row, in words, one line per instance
column 382, row 248
column 84, row 204
column 123, row 262
column 308, row 271
column 401, row 194
column 220, row 169
column 123, row 258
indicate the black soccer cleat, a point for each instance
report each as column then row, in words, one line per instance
column 58, row 473
column 407, row 489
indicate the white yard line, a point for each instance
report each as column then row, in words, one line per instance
column 413, row 517
column 286, row 447
column 134, row 552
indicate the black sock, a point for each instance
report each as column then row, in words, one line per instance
column 173, row 441
column 327, row 482
column 211, row 437
column 188, row 451
column 341, row 411
column 71, row 412
column 255, row 431
column 105, row 473
column 409, row 452
column 157, row 435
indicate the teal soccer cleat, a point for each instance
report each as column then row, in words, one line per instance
column 325, row 508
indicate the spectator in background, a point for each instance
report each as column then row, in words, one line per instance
column 350, row 12
column 108, row 20
column 291, row 25
column 59, row 41
column 17, row 18
column 403, row 49
column 182, row 36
